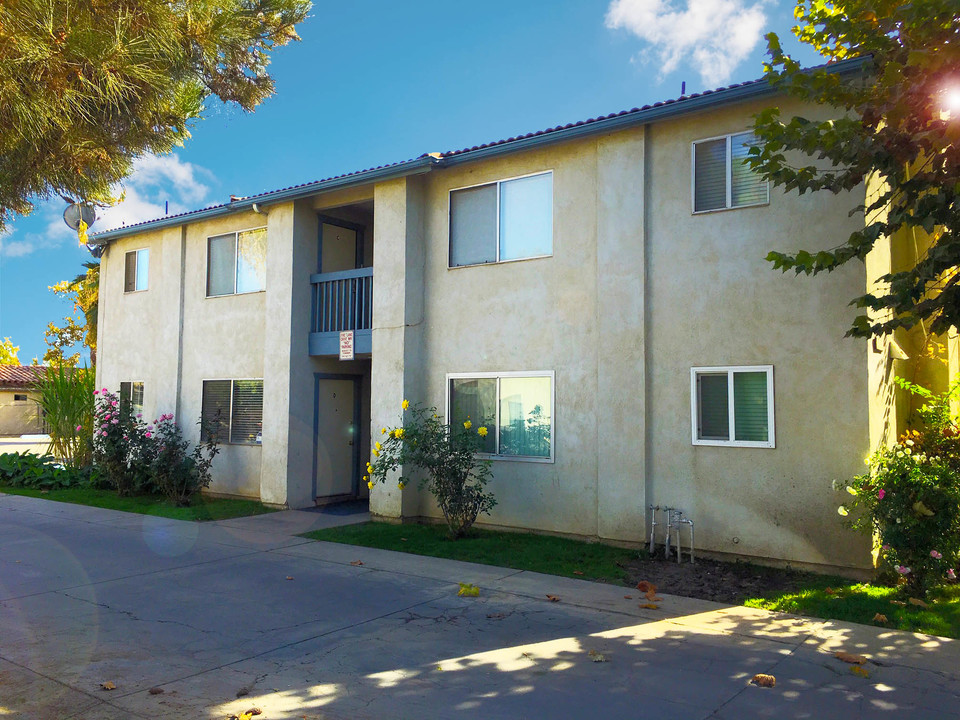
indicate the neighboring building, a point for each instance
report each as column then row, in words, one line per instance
column 597, row 290
column 20, row 413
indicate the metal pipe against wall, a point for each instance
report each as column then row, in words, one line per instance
column 653, row 526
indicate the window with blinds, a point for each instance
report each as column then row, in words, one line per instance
column 722, row 179
column 233, row 410
column 237, row 263
column 733, row 406
column 501, row 221
column 136, row 270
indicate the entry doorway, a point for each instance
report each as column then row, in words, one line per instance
column 337, row 442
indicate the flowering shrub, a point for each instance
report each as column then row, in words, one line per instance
column 122, row 450
column 910, row 498
column 174, row 472
column 134, row 456
column 447, row 456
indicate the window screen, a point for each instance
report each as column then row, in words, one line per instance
column 246, row 418
column 750, row 406
column 714, row 415
column 215, row 410
column 473, row 225
column 221, row 265
column 526, row 217
column 710, row 175
column 733, row 406
column 747, row 188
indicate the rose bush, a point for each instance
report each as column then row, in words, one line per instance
column 910, row 498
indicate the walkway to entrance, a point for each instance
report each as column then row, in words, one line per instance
column 196, row 621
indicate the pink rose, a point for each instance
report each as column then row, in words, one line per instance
column 104, row 391
column 114, row 421
column 885, row 548
column 935, row 555
column 881, row 493
column 147, row 435
column 951, row 574
column 903, row 569
column 96, row 392
column 79, row 428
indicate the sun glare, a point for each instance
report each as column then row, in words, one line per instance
column 950, row 105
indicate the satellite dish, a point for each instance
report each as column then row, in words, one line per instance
column 77, row 212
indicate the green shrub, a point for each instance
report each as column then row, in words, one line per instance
column 66, row 398
column 910, row 499
column 453, row 473
column 121, row 447
column 173, row 471
column 40, row 472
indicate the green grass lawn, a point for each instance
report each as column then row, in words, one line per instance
column 820, row 596
column 203, row 508
column 523, row 551
column 860, row 603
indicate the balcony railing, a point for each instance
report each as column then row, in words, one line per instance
column 341, row 301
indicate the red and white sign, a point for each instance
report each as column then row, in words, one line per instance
column 346, row 345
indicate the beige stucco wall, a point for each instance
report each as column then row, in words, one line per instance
column 19, row 417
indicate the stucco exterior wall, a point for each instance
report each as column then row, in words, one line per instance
column 20, row 417
column 714, row 301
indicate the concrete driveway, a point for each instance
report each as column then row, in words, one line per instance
column 183, row 617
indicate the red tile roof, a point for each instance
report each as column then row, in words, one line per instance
column 21, row 376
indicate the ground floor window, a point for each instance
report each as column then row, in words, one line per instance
column 516, row 408
column 732, row 406
column 131, row 399
column 233, row 409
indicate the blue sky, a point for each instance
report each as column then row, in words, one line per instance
column 375, row 82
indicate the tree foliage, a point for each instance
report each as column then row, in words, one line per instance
column 8, row 352
column 892, row 124
column 89, row 85
column 83, row 292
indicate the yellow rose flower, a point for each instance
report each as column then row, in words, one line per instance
column 843, row 511
column 383, row 431
column 405, row 404
column 467, row 425
column 482, row 431
column 400, row 434
column 370, row 484
column 401, row 484
column 378, row 446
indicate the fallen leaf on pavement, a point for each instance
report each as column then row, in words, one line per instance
column 764, row 680
column 857, row 670
column 155, row 691
column 243, row 691
column 646, row 587
column 356, row 562
column 880, row 618
column 628, row 597
column 468, row 590
column 649, row 606
column 597, row 657
column 108, row 685
column 918, row 602
column 553, row 598
column 289, row 577
column 848, row 658
column 496, row 616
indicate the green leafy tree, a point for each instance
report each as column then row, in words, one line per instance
column 893, row 127
column 88, row 86
column 83, row 291
column 8, row 352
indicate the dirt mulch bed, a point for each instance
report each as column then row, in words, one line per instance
column 726, row 582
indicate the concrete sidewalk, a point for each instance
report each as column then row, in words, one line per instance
column 205, row 612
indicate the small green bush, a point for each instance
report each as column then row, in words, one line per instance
column 175, row 472
column 66, row 400
column 453, row 473
column 910, row 498
column 40, row 472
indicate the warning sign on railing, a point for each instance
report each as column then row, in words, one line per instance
column 346, row 344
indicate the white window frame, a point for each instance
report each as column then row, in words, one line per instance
column 136, row 267
column 770, row 442
column 498, row 183
column 236, row 262
column 232, row 381
column 729, row 176
column 519, row 374
column 132, row 383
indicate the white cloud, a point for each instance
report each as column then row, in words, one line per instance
column 157, row 184
column 713, row 36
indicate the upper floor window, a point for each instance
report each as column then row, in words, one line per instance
column 136, row 268
column 732, row 406
column 237, row 262
column 500, row 221
column 721, row 177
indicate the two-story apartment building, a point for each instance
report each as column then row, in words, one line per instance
column 596, row 292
